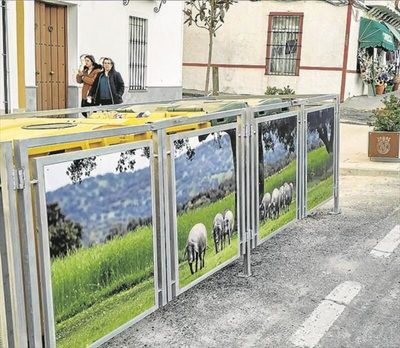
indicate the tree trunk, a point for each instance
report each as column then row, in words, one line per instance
column 323, row 135
column 210, row 47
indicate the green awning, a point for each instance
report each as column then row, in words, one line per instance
column 375, row 34
column 394, row 31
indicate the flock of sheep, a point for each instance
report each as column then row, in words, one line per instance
column 196, row 244
column 272, row 204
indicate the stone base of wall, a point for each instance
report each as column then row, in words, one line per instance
column 153, row 94
column 30, row 94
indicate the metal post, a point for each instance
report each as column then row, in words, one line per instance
column 6, row 68
column 28, row 241
column 301, row 189
column 305, row 153
column 169, row 213
column 158, row 148
column 11, row 255
column 336, row 147
column 254, row 180
column 247, row 178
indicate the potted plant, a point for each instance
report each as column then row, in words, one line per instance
column 381, row 82
column 384, row 140
column 396, row 81
column 379, row 86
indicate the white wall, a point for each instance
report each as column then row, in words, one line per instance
column 242, row 41
column 354, row 84
column 112, row 38
column 12, row 54
column 101, row 28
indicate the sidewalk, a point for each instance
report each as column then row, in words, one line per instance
column 354, row 160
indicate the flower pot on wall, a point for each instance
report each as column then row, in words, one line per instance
column 384, row 146
column 379, row 89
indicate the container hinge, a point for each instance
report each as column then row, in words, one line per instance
column 19, row 179
column 247, row 130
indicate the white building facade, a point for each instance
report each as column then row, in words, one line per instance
column 47, row 38
column 309, row 45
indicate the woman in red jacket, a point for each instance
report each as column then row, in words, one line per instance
column 87, row 75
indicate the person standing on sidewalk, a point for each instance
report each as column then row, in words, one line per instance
column 108, row 87
column 86, row 75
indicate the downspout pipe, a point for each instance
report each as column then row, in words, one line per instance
column 6, row 67
column 346, row 50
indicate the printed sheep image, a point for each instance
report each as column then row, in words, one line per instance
column 229, row 223
column 196, row 246
column 218, row 230
column 265, row 206
column 272, row 205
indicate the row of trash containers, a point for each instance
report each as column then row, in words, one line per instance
column 12, row 129
column 28, row 128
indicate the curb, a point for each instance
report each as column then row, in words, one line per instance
column 369, row 172
column 354, row 122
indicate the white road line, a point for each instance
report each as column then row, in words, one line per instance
column 322, row 318
column 388, row 244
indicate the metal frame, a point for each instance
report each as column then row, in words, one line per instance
column 257, row 122
column 39, row 165
column 91, row 109
column 3, row 319
column 13, row 312
column 173, row 231
column 25, row 322
column 26, row 218
column 335, row 159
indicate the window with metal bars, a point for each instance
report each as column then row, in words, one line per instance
column 284, row 43
column 137, row 53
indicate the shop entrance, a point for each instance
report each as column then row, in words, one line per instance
column 50, row 56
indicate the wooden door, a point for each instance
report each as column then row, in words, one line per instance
column 50, row 54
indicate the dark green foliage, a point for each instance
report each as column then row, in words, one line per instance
column 80, row 167
column 279, row 91
column 388, row 118
column 119, row 229
column 184, row 143
column 211, row 196
column 285, row 129
column 206, row 14
column 84, row 166
column 321, row 121
column 64, row 234
column 126, row 162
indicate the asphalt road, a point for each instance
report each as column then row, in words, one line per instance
column 315, row 284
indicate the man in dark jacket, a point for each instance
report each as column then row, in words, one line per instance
column 108, row 87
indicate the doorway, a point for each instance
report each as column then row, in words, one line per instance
column 50, row 56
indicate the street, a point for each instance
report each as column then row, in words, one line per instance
column 293, row 274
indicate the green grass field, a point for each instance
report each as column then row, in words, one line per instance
column 206, row 216
column 98, row 289
column 319, row 177
column 93, row 274
column 212, row 260
column 319, row 187
column 105, row 316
